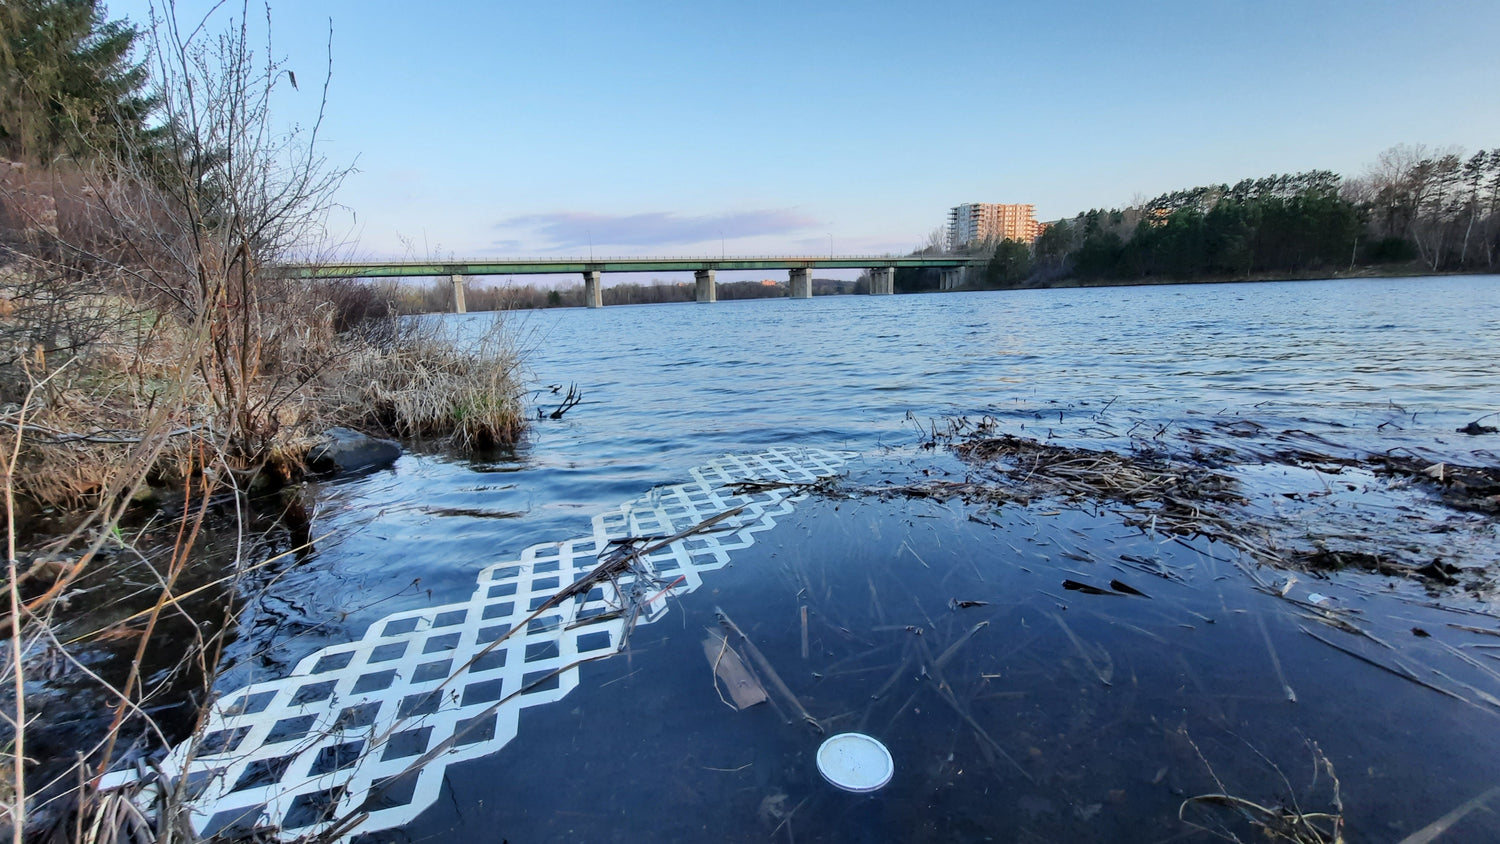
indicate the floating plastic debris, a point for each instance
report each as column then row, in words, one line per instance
column 855, row 762
column 370, row 726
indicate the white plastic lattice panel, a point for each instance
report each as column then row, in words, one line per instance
column 371, row 725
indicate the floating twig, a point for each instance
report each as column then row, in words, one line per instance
column 570, row 401
column 765, row 667
column 1275, row 660
column 1104, row 674
column 803, row 613
column 727, row 666
column 944, row 691
column 1399, row 672
column 1430, row 832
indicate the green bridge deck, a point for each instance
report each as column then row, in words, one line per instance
column 538, row 266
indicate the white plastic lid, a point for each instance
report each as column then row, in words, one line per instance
column 855, row 762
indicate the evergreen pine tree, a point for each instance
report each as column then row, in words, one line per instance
column 69, row 83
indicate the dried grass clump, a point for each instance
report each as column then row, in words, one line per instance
column 1219, row 814
column 422, row 382
column 88, row 398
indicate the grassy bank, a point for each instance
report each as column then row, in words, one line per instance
column 98, row 367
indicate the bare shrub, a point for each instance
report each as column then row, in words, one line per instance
column 141, row 334
column 145, row 334
column 358, row 307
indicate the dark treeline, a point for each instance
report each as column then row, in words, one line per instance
column 1429, row 211
column 69, row 83
column 1280, row 224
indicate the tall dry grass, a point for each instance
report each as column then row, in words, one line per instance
column 424, row 382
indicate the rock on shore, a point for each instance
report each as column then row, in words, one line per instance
column 347, row 451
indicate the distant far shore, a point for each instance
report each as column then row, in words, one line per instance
column 1403, row 271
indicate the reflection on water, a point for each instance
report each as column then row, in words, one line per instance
column 1111, row 707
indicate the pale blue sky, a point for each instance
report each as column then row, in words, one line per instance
column 658, row 128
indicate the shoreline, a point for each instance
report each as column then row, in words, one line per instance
column 1360, row 274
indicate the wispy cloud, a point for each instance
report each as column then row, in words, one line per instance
column 574, row 229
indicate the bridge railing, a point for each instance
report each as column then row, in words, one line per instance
column 598, row 259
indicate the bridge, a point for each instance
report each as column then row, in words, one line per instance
column 882, row 269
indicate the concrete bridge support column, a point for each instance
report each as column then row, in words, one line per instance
column 952, row 279
column 882, row 281
column 801, row 286
column 707, row 289
column 458, row 295
column 591, row 295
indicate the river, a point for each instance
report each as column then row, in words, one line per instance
column 1059, row 715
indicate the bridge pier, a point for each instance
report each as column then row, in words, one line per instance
column 882, row 281
column 706, row 289
column 951, row 279
column 458, row 295
column 801, row 283
column 591, row 295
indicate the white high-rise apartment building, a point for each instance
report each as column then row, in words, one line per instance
column 977, row 222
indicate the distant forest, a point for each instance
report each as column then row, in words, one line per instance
column 1415, row 210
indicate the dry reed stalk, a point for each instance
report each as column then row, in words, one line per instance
column 1280, row 823
column 17, row 808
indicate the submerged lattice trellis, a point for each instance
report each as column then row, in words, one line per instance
column 370, row 726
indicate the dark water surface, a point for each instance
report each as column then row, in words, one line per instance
column 1099, row 714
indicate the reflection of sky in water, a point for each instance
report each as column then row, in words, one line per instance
column 1365, row 366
